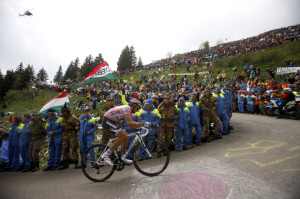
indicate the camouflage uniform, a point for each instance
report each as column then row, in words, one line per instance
column 38, row 133
column 209, row 114
column 70, row 137
column 167, row 112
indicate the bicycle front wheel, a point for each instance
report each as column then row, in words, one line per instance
column 92, row 166
column 157, row 163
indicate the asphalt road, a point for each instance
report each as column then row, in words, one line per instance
column 259, row 159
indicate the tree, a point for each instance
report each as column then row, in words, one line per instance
column 30, row 72
column 132, row 58
column 20, row 69
column 98, row 60
column 140, row 64
column 87, row 66
column 70, row 73
column 124, row 59
column 204, row 45
column 42, row 75
column 127, row 59
column 76, row 69
column 25, row 78
column 7, row 83
column 58, row 76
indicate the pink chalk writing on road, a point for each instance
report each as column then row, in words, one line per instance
column 193, row 185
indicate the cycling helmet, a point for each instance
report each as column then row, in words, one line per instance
column 136, row 102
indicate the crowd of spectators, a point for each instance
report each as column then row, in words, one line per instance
column 262, row 41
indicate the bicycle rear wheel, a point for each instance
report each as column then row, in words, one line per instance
column 151, row 166
column 92, row 167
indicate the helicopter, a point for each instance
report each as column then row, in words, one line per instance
column 26, row 13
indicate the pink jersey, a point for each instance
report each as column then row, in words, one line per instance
column 118, row 113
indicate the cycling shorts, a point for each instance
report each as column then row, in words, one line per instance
column 111, row 126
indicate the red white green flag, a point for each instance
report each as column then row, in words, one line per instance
column 56, row 103
column 101, row 73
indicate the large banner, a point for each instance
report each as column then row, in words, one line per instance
column 286, row 70
column 101, row 73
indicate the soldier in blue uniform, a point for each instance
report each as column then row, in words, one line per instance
column 54, row 132
column 24, row 143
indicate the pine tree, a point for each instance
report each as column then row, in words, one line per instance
column 69, row 72
column 132, row 58
column 98, row 60
column 140, row 64
column 127, row 59
column 8, row 83
column 87, row 66
column 76, row 69
column 42, row 75
column 25, row 79
column 20, row 69
column 30, row 71
column 58, row 76
column 124, row 59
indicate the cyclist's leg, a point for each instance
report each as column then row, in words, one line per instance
column 122, row 135
column 125, row 143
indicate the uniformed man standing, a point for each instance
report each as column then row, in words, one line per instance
column 86, row 135
column 38, row 133
column 54, row 130
column 194, row 109
column 167, row 111
column 13, row 144
column 209, row 105
column 24, row 142
column 70, row 127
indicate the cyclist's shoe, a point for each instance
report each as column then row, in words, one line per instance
column 107, row 160
column 126, row 161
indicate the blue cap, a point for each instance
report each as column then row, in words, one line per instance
column 181, row 98
column 148, row 101
column 86, row 109
column 51, row 110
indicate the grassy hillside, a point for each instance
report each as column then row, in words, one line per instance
column 269, row 58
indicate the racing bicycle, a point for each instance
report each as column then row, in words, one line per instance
column 150, row 157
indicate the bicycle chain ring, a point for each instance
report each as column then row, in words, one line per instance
column 119, row 164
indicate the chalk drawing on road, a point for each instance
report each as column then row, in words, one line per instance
column 275, row 161
column 255, row 148
column 238, row 184
column 291, row 169
column 294, row 148
column 193, row 185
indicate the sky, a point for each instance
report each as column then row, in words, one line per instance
column 62, row 30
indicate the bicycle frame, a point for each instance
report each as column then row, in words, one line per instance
column 138, row 139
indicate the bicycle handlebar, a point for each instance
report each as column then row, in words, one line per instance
column 145, row 134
